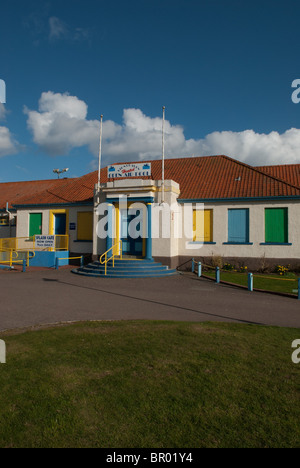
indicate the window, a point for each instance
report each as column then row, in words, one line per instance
column 203, row 226
column 85, row 226
column 238, row 226
column 276, row 225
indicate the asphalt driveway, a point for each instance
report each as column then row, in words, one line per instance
column 50, row 296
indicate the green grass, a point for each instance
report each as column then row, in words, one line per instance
column 267, row 282
column 150, row 384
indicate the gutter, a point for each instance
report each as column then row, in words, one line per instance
column 238, row 199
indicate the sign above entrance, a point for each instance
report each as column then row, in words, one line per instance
column 129, row 170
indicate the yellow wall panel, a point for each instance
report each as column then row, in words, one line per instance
column 203, row 226
column 85, row 225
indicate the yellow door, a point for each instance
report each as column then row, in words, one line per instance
column 85, row 226
column 203, row 226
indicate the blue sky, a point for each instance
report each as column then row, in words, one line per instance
column 222, row 68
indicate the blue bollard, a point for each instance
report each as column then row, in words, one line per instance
column 193, row 265
column 199, row 269
column 56, row 263
column 24, row 266
column 82, row 261
column 218, row 277
column 250, row 282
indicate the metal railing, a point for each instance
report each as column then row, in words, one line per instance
column 20, row 249
column 57, row 260
column 12, row 256
column 116, row 250
column 61, row 242
column 248, row 276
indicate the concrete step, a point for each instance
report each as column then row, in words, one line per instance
column 126, row 268
column 128, row 274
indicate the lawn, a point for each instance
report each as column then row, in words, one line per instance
column 267, row 282
column 141, row 384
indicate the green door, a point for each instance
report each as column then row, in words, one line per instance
column 276, row 225
column 35, row 224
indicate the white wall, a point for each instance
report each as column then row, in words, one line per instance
column 256, row 233
column 23, row 226
column 178, row 245
column 75, row 246
column 181, row 246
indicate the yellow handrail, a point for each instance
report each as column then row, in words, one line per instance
column 16, row 253
column 106, row 260
column 28, row 243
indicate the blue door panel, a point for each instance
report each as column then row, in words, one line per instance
column 238, row 225
column 130, row 245
column 60, row 224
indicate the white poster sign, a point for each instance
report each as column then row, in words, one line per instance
column 45, row 242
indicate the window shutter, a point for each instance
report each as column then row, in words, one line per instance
column 85, row 225
column 203, row 226
column 276, row 222
column 238, row 226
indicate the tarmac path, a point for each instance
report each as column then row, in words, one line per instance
column 44, row 297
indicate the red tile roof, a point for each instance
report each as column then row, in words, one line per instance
column 201, row 178
column 218, row 177
column 13, row 192
column 288, row 172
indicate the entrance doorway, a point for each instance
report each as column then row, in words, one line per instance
column 131, row 245
column 60, row 224
column 35, row 224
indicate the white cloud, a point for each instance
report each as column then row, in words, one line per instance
column 256, row 148
column 8, row 145
column 61, row 124
column 58, row 30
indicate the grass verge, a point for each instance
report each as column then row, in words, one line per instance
column 147, row 384
column 269, row 282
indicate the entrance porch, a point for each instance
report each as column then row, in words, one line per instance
column 130, row 223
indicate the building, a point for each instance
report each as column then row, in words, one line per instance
column 246, row 215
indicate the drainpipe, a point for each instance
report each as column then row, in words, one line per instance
column 10, row 216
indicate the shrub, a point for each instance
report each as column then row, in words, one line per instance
column 217, row 261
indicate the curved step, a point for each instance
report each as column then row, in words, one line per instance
column 129, row 275
column 126, row 268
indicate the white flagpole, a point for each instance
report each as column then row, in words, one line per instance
column 100, row 154
column 163, row 156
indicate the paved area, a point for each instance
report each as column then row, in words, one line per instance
column 50, row 296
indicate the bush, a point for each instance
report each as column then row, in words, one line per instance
column 217, row 261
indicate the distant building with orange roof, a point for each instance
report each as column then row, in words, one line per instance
column 238, row 212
